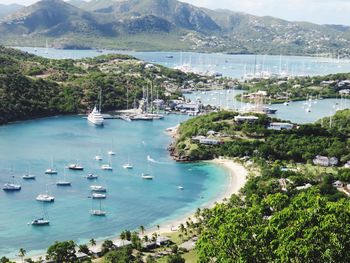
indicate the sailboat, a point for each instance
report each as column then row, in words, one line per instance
column 28, row 176
column 95, row 116
column 41, row 221
column 108, row 166
column 98, row 212
column 47, row 47
column 128, row 165
column 63, row 182
column 51, row 170
column 147, row 176
column 12, row 186
column 45, row 197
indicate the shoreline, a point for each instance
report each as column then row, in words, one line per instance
column 237, row 176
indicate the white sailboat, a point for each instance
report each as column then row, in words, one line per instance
column 107, row 167
column 98, row 212
column 41, row 221
column 128, row 165
column 45, row 197
column 91, row 176
column 63, row 182
column 12, row 186
column 98, row 188
column 51, row 170
column 95, row 116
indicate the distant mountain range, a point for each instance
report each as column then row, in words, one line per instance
column 9, row 9
column 166, row 25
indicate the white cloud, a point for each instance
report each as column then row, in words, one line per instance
column 317, row 11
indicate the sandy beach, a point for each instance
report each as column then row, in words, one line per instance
column 237, row 178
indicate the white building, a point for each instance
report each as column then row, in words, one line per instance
column 278, row 126
column 338, row 184
column 208, row 141
column 240, row 118
column 325, row 161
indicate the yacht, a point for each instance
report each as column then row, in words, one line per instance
column 63, row 182
column 98, row 196
column 76, row 167
column 11, row 187
column 91, row 176
column 96, row 117
column 40, row 222
column 180, row 187
column 98, row 188
column 28, row 177
column 147, row 176
column 111, row 152
column 45, row 198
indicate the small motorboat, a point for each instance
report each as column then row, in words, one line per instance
column 75, row 167
column 147, row 176
column 40, row 222
column 45, row 198
column 98, row 196
column 91, row 176
column 98, row 188
column 63, row 183
column 180, row 187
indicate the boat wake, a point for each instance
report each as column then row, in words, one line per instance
column 150, row 159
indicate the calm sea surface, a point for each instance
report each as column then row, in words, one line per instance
column 229, row 65
column 31, row 146
column 131, row 201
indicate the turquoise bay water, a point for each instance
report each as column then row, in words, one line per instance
column 131, row 201
column 229, row 65
column 295, row 112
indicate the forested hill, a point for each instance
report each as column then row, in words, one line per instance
column 32, row 86
column 289, row 210
column 238, row 139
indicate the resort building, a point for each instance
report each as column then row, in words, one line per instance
column 303, row 187
column 208, row 141
column 278, row 126
column 347, row 165
column 325, row 161
column 338, row 184
column 240, row 118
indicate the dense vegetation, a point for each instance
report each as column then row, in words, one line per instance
column 300, row 144
column 298, row 88
column 275, row 218
column 32, row 86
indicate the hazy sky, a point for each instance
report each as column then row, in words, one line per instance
column 318, row 11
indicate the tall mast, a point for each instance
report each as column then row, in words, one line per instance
column 100, row 107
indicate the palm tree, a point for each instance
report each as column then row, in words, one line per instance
column 154, row 237
column 181, row 236
column 142, row 229
column 123, row 236
column 21, row 253
column 92, row 242
column 158, row 229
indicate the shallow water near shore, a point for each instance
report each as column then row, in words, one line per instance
column 29, row 147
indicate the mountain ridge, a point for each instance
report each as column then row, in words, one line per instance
column 168, row 25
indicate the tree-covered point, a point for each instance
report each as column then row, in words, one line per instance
column 32, row 86
column 254, row 139
column 298, row 88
